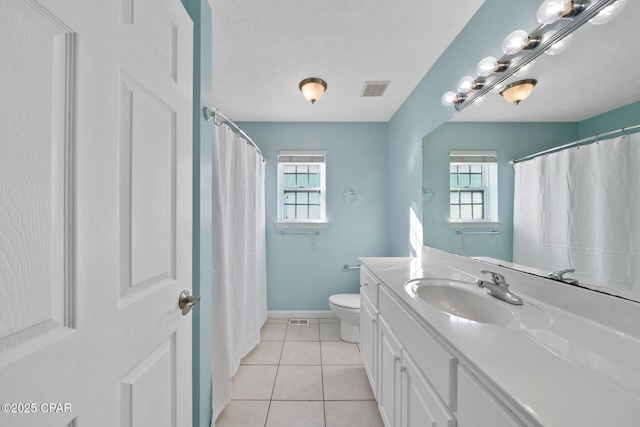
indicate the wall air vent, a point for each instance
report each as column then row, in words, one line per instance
column 374, row 88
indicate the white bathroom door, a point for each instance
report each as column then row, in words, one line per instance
column 95, row 212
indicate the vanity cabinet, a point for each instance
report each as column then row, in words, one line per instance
column 389, row 375
column 405, row 396
column 420, row 404
column 477, row 406
column 369, row 326
column 416, row 378
column 369, row 338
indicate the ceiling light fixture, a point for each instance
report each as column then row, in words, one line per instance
column 559, row 19
column 313, row 88
column 518, row 91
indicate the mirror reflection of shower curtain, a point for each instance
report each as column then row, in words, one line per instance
column 239, row 294
column 580, row 208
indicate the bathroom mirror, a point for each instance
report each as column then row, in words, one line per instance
column 598, row 73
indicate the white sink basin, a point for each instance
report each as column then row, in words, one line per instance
column 467, row 301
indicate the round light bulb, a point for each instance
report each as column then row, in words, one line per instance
column 465, row 84
column 486, row 66
column 551, row 11
column 524, row 70
column 515, row 41
column 559, row 46
column 608, row 13
column 448, row 98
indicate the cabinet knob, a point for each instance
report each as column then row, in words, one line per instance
column 403, row 368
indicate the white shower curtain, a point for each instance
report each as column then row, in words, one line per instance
column 580, row 208
column 239, row 295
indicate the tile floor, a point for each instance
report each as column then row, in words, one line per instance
column 301, row 376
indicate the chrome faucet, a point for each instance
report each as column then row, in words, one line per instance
column 558, row 275
column 499, row 288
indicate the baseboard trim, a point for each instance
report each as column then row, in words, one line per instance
column 312, row 314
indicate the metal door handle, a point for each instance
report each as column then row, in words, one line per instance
column 186, row 301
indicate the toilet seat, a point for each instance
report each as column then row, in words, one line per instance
column 350, row 301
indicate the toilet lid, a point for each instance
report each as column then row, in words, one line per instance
column 345, row 300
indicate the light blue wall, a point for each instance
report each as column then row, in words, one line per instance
column 626, row 116
column 303, row 271
column 509, row 140
column 200, row 13
column 422, row 112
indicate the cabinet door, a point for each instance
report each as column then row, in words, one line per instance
column 389, row 355
column 369, row 339
column 421, row 405
column 477, row 406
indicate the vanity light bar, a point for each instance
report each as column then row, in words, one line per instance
column 544, row 36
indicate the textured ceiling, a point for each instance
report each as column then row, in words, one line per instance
column 262, row 50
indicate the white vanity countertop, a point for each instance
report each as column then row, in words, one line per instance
column 569, row 371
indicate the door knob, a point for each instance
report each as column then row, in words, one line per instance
column 186, row 301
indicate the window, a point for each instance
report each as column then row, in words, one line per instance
column 473, row 186
column 301, row 187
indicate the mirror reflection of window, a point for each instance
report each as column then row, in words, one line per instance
column 473, row 186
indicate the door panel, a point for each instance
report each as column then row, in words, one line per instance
column 36, row 252
column 147, row 185
column 95, row 212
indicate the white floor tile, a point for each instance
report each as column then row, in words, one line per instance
column 330, row 332
column 254, row 382
column 244, row 413
column 340, row 353
column 286, row 377
column 298, row 383
column 296, row 414
column 352, row 414
column 300, row 353
column 277, row 320
column 273, row 332
column 303, row 333
column 265, row 353
column 347, row 382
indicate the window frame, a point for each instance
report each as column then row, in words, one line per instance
column 301, row 158
column 488, row 161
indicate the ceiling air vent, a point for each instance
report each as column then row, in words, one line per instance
column 374, row 88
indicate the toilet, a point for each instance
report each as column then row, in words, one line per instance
column 347, row 308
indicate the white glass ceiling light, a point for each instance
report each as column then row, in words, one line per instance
column 490, row 65
column 608, row 13
column 559, row 46
column 551, row 11
column 312, row 88
column 448, row 98
column 518, row 91
column 515, row 41
column 465, row 84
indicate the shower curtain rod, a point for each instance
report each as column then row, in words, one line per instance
column 583, row 141
column 212, row 113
